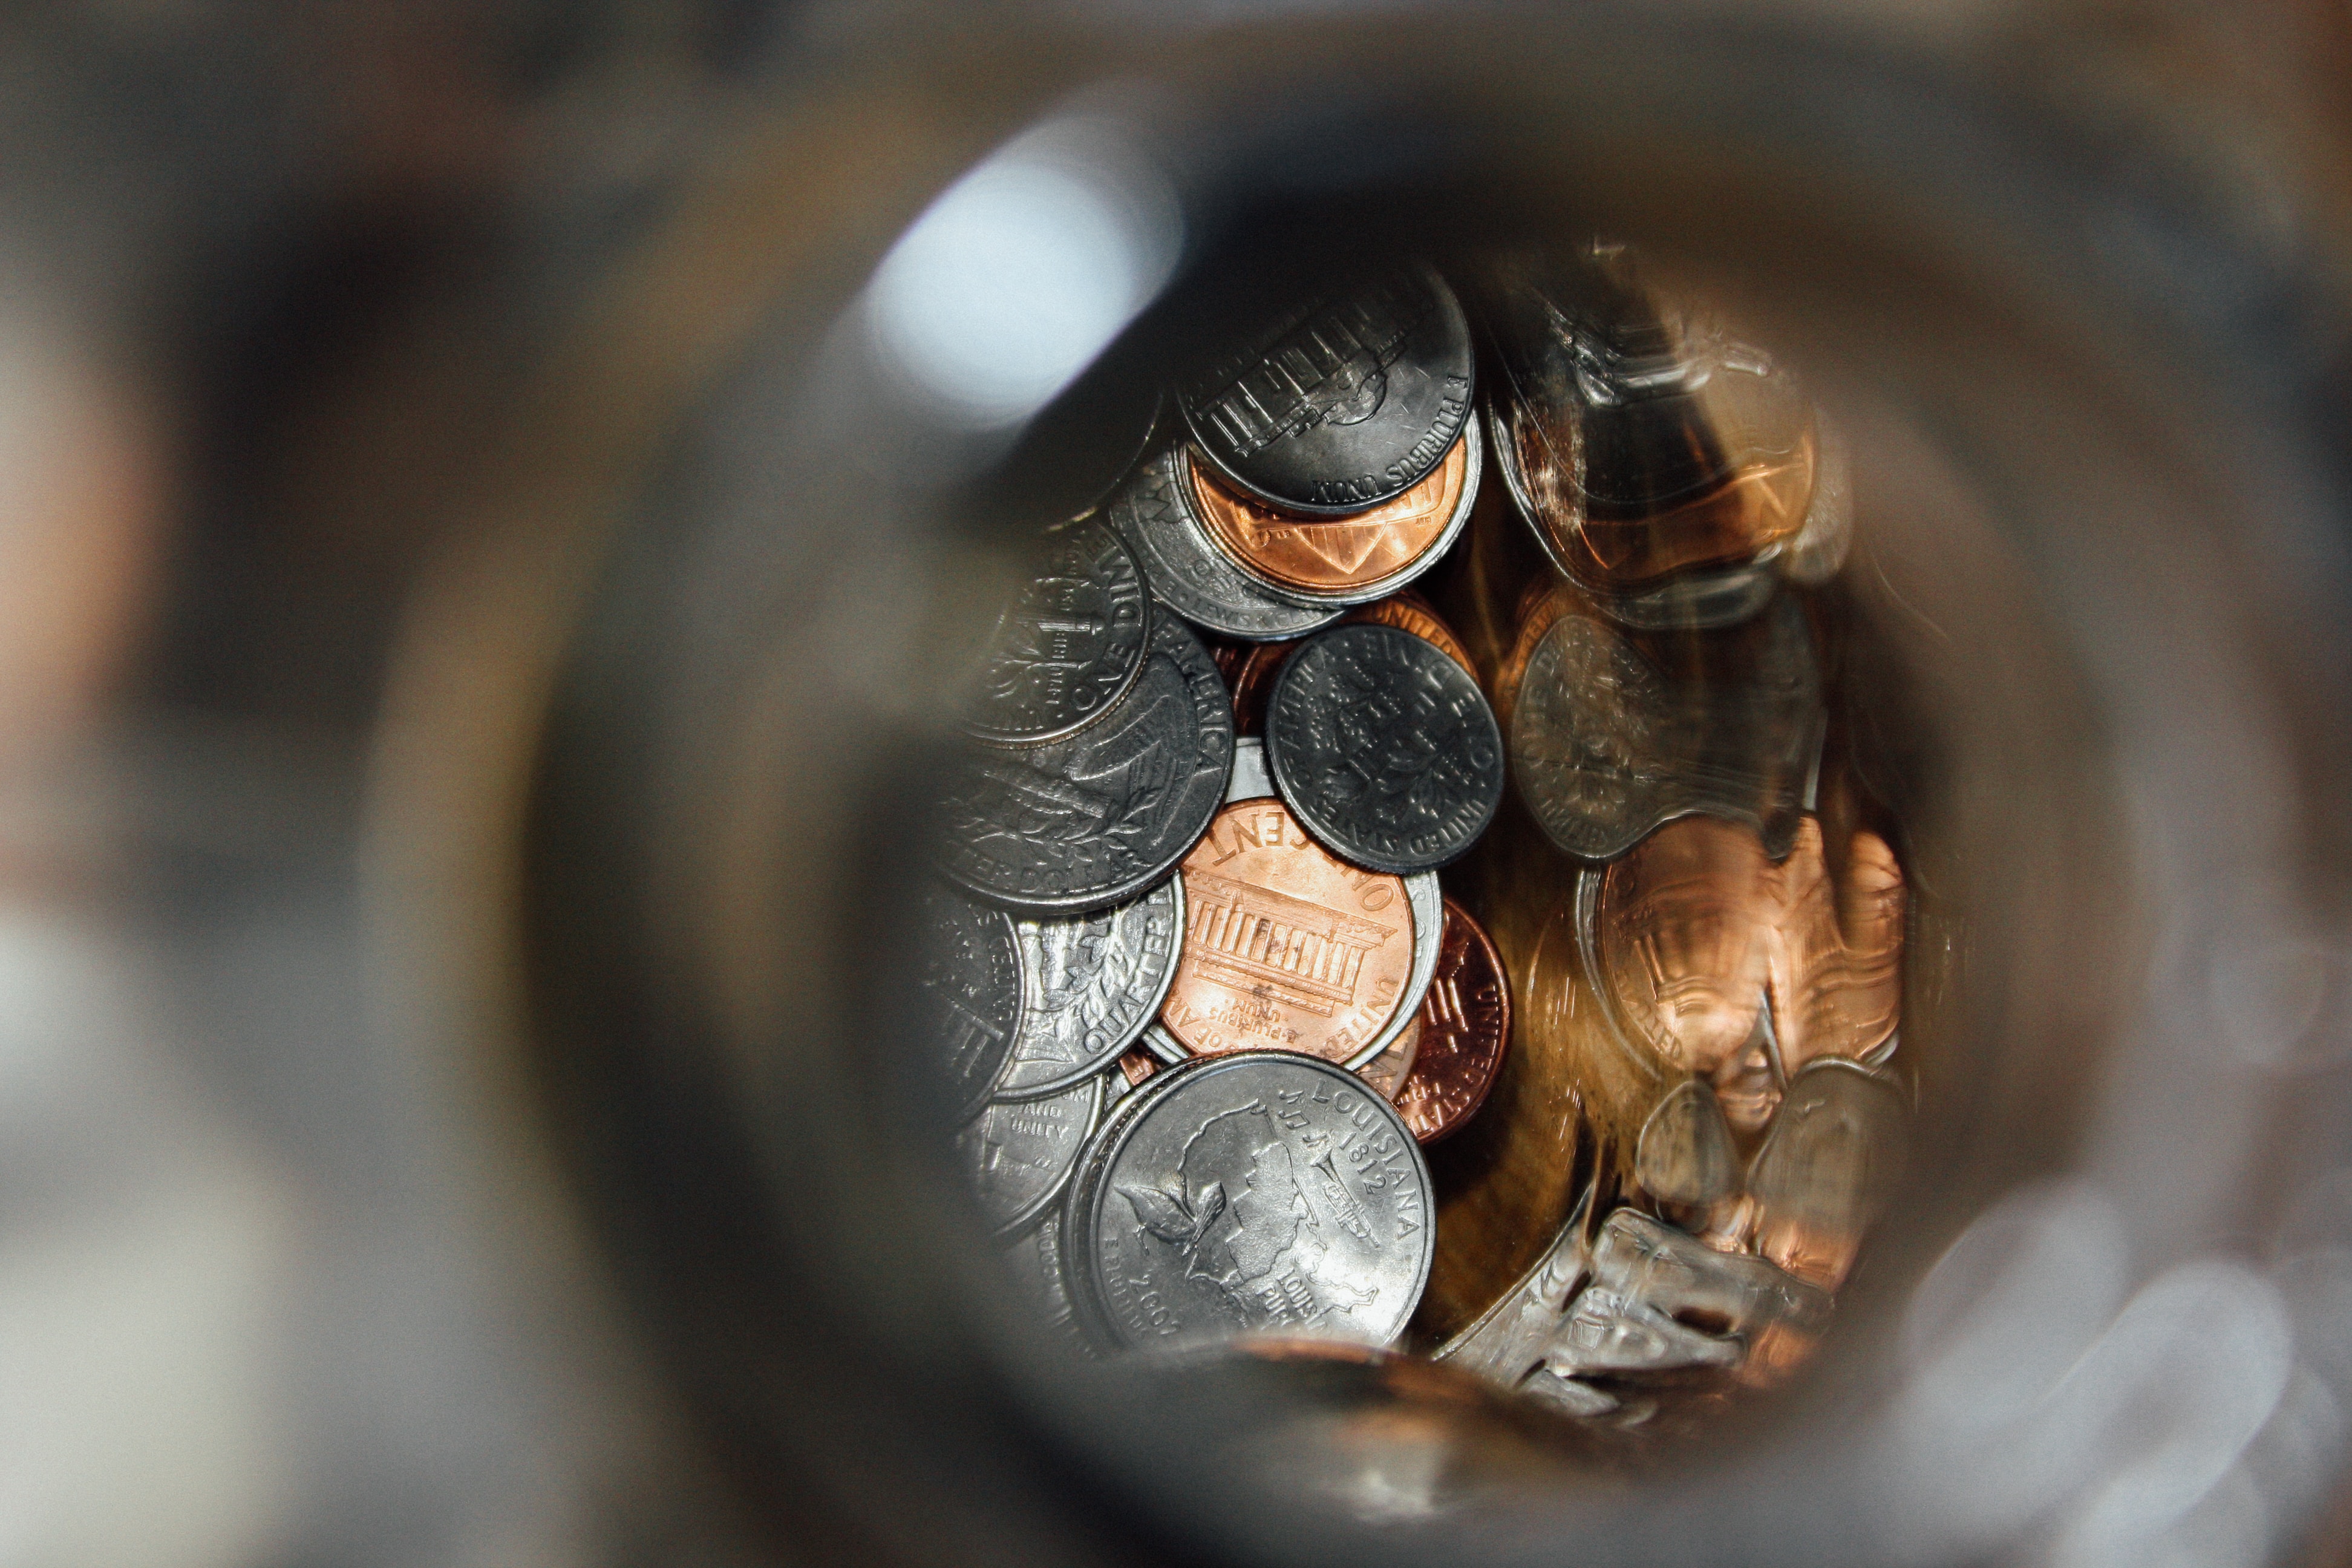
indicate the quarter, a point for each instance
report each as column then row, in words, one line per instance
column 1189, row 573
column 1090, row 983
column 1256, row 1195
column 1019, row 1153
column 1092, row 821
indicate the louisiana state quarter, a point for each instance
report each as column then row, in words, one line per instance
column 1094, row 820
column 1385, row 748
column 1341, row 402
column 1090, row 985
column 1069, row 645
column 1256, row 1195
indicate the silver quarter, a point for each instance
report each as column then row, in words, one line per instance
column 1090, row 983
column 1185, row 569
column 1341, row 402
column 1385, row 748
column 1018, row 1154
column 967, row 994
column 1034, row 1257
column 1605, row 747
column 1094, row 820
column 1069, row 645
column 1251, row 781
column 1259, row 1193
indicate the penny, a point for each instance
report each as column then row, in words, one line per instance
column 1090, row 983
column 1185, row 569
column 1638, row 437
column 1019, row 1153
column 1465, row 1027
column 967, row 994
column 1094, row 820
column 1071, row 642
column 1319, row 559
column 1341, row 402
column 1252, row 667
column 1605, row 746
column 1256, row 1195
column 1385, row 748
column 1387, row 1072
column 1137, row 1066
column 1285, row 946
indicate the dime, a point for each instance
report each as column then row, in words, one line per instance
column 1316, row 559
column 1018, row 1154
column 1465, row 1027
column 1071, row 642
column 968, row 995
column 1341, row 402
column 1189, row 573
column 1089, row 985
column 1093, row 820
column 1286, row 948
column 1388, row 1071
column 1605, row 747
column 1385, row 748
column 1265, row 1193
column 1253, row 669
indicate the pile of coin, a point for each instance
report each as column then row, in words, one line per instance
column 1200, row 993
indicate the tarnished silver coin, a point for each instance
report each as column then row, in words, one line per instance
column 1093, row 820
column 967, row 994
column 1069, row 645
column 1260, row 1192
column 1034, row 1257
column 1605, row 747
column 1385, row 748
column 1090, row 983
column 1423, row 898
column 1185, row 569
column 1019, row 1153
column 1341, row 402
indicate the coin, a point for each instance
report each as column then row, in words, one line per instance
column 1385, row 748
column 1465, row 1027
column 1286, row 947
column 1387, row 1072
column 1189, row 573
column 1090, row 983
column 968, row 994
column 1341, row 402
column 1639, row 438
column 1094, row 820
column 1263, row 1194
column 1316, row 559
column 1034, row 1257
column 1019, row 1153
column 1605, row 746
column 1071, row 642
column 1253, row 669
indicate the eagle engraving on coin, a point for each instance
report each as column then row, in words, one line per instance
column 1070, row 642
column 1092, row 820
column 1090, row 985
column 1385, row 748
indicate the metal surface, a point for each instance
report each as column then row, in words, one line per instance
column 1018, row 1154
column 1385, row 747
column 1069, row 645
column 1090, row 983
column 1188, row 572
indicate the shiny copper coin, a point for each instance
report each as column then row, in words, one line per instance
column 1332, row 554
column 1286, row 948
column 1465, row 1027
column 1137, row 1065
column 1253, row 669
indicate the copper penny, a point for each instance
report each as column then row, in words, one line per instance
column 1388, row 1071
column 1286, row 948
column 1252, row 670
column 1332, row 554
column 1466, row 1026
column 1137, row 1065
